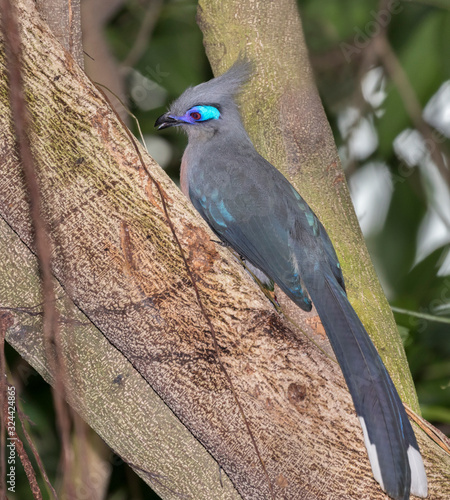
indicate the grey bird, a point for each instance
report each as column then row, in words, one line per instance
column 252, row 208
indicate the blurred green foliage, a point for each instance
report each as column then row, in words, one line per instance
column 419, row 34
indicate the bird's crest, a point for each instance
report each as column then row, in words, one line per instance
column 218, row 91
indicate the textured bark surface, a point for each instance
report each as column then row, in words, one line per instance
column 284, row 116
column 104, row 387
column 63, row 17
column 115, row 256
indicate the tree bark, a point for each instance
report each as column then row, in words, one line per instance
column 104, row 387
column 63, row 17
column 147, row 378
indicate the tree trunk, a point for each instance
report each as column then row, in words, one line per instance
column 112, row 220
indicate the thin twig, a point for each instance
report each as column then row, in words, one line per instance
column 136, row 121
column 21, row 126
column 410, row 100
column 142, row 39
column 85, row 460
column 22, row 419
column 8, row 410
column 368, row 59
column 416, row 314
column 438, row 437
column 5, row 321
column 20, row 450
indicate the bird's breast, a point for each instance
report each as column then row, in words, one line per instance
column 184, row 182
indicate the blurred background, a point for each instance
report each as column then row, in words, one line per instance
column 383, row 72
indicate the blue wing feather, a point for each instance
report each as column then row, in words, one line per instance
column 264, row 243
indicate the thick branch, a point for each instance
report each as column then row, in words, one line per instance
column 104, row 387
column 115, row 256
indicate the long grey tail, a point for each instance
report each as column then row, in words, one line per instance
column 391, row 445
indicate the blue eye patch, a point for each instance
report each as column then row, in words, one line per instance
column 202, row 114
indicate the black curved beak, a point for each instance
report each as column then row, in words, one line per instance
column 165, row 121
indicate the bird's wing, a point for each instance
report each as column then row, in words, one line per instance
column 263, row 234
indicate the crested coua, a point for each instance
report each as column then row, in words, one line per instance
column 252, row 207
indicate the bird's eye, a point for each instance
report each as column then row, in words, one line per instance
column 201, row 113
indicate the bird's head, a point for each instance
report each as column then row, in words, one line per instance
column 208, row 107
